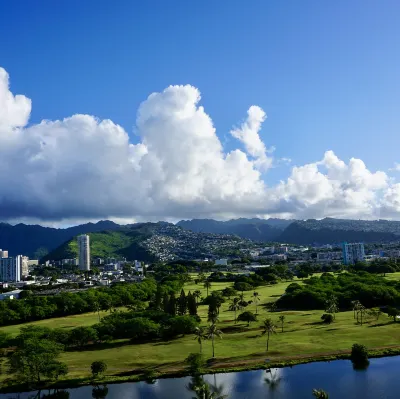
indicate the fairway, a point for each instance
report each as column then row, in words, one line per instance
column 303, row 335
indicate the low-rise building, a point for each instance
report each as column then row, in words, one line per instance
column 329, row 256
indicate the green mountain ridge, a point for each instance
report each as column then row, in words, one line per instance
column 124, row 242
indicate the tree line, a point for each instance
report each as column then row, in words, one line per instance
column 369, row 289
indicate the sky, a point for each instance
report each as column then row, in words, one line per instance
column 159, row 110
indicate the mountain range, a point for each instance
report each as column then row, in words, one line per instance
column 37, row 241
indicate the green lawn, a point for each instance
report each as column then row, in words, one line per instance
column 86, row 319
column 303, row 335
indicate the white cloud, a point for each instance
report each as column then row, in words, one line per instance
column 248, row 134
column 396, row 167
column 14, row 110
column 82, row 168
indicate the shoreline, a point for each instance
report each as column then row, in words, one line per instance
column 238, row 366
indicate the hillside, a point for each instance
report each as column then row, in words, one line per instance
column 35, row 241
column 329, row 231
column 153, row 241
column 124, row 242
column 262, row 230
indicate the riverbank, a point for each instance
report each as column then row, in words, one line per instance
column 213, row 367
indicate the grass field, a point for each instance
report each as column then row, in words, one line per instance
column 304, row 335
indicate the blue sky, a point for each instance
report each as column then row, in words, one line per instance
column 325, row 73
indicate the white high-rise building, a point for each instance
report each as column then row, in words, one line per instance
column 84, row 251
column 24, row 266
column 10, row 269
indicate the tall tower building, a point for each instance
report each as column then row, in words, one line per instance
column 353, row 253
column 84, row 251
column 10, row 269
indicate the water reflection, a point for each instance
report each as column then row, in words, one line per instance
column 204, row 390
column 99, row 392
column 379, row 381
column 273, row 379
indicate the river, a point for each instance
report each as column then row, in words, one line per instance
column 380, row 380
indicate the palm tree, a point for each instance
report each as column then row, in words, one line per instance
column 212, row 332
column 282, row 320
column 241, row 297
column 234, row 306
column 197, row 295
column 213, row 316
column 256, row 299
column 199, row 336
column 207, row 285
column 320, row 394
column 269, row 329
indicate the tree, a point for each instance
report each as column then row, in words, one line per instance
column 207, row 285
column 182, row 303
column 393, row 312
column 256, row 299
column 359, row 355
column 166, row 302
column 212, row 332
column 197, row 295
column 191, row 304
column 327, row 318
column 212, row 315
column 247, row 317
column 35, row 359
column 355, row 304
column 320, row 394
column 331, row 305
column 199, row 336
column 235, row 306
column 282, row 320
column 361, row 312
column 158, row 298
column 269, row 329
column 172, row 304
column 228, row 292
column 195, row 362
column 81, row 336
column 98, row 368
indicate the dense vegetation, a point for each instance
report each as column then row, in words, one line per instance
column 43, row 307
column 371, row 290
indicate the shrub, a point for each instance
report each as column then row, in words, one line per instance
column 359, row 356
column 98, row 367
column 247, row 317
column 327, row 318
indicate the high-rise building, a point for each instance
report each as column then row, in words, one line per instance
column 24, row 266
column 3, row 254
column 10, row 269
column 84, row 251
column 353, row 253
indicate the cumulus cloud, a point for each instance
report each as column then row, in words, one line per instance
column 82, row 168
column 248, row 134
